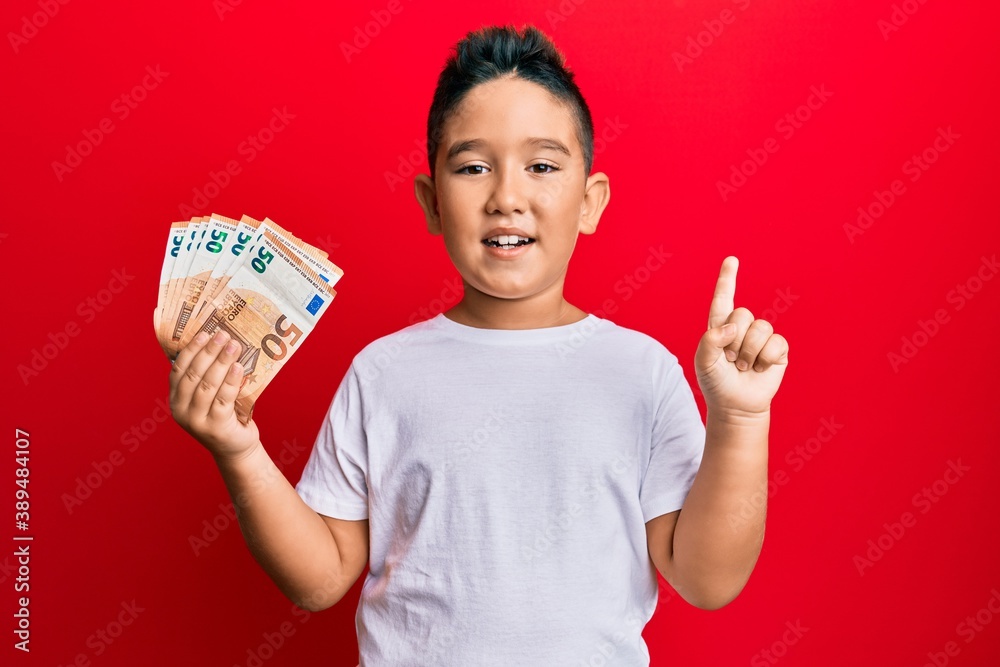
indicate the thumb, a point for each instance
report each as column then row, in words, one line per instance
column 712, row 344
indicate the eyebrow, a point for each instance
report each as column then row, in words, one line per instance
column 540, row 142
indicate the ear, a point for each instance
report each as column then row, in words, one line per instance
column 423, row 188
column 596, row 195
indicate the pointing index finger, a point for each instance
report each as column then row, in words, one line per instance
column 725, row 293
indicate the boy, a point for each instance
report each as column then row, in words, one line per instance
column 518, row 465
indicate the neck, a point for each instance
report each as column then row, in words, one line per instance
column 545, row 309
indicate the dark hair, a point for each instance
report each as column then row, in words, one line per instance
column 495, row 51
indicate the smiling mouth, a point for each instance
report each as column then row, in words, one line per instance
column 507, row 242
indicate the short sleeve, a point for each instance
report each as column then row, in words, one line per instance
column 677, row 443
column 334, row 480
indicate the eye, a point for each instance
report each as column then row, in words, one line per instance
column 548, row 168
column 464, row 170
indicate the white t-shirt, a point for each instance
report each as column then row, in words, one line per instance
column 507, row 476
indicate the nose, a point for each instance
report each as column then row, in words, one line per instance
column 506, row 196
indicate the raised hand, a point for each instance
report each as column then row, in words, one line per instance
column 740, row 361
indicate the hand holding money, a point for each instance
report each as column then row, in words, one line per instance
column 237, row 298
column 205, row 382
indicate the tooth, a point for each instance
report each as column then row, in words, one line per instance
column 504, row 240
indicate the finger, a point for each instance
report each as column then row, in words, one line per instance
column 711, row 344
column 182, row 361
column 775, row 351
column 191, row 377
column 753, row 342
column 742, row 318
column 725, row 293
column 225, row 398
column 213, row 378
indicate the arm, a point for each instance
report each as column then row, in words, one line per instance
column 314, row 560
column 708, row 549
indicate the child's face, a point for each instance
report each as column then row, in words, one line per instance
column 510, row 163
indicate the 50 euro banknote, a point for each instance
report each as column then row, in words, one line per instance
column 253, row 279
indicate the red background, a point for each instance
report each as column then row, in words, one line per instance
column 680, row 130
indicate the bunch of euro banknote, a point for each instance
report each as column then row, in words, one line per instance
column 254, row 280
